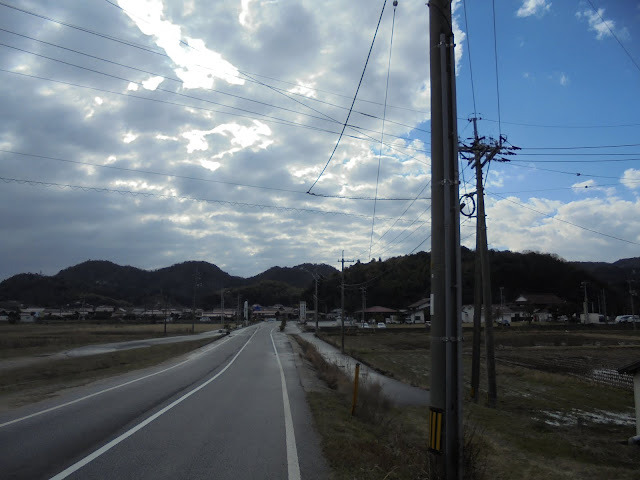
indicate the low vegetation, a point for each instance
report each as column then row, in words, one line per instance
column 380, row 441
column 42, row 377
column 40, row 338
column 552, row 421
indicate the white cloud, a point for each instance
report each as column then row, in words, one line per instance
column 631, row 179
column 550, row 226
column 597, row 23
column 197, row 66
column 564, row 79
column 533, row 7
column 152, row 83
column 589, row 186
column 129, row 137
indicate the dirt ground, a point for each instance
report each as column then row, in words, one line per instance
column 552, row 419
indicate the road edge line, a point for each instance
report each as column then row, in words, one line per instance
column 95, row 394
column 89, row 458
column 293, row 465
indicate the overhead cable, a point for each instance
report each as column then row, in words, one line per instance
column 354, row 100
column 84, row 188
column 493, row 194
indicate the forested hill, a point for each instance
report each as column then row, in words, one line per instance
column 396, row 282
column 401, row 281
column 102, row 282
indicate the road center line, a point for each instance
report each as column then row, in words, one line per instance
column 77, row 466
column 292, row 451
column 77, row 400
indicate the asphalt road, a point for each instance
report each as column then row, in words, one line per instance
column 231, row 410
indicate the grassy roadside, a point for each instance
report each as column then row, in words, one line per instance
column 549, row 422
column 380, row 441
column 28, row 384
column 41, row 338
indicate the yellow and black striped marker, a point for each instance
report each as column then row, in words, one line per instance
column 435, row 429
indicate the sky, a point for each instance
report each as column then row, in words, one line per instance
column 152, row 132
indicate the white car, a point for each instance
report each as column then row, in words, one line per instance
column 381, row 325
column 627, row 319
column 365, row 325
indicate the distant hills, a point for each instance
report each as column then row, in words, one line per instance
column 395, row 282
column 100, row 282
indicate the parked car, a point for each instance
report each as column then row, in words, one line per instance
column 627, row 319
column 381, row 325
column 505, row 322
column 365, row 325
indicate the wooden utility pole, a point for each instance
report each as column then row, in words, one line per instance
column 342, row 302
column 481, row 153
column 445, row 410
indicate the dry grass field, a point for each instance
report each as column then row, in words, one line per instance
column 40, row 338
column 552, row 420
column 42, row 377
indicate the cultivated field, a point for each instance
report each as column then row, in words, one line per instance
column 28, row 374
column 42, row 338
column 557, row 417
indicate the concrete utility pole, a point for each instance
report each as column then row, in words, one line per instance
column 221, row 307
column 342, row 302
column 445, row 411
column 315, row 303
column 481, row 153
column 477, row 328
column 631, row 294
column 316, row 277
column 585, row 306
column 364, row 302
column 193, row 311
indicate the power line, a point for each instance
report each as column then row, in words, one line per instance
column 577, row 174
column 495, row 50
column 267, row 118
column 83, row 188
column 354, row 98
column 401, row 215
column 384, row 115
column 575, row 154
column 581, row 187
column 606, row 160
column 124, row 42
column 249, row 74
column 614, row 35
column 561, row 220
column 85, row 30
column 466, row 26
column 624, row 145
column 199, row 179
column 537, row 125
column 190, row 96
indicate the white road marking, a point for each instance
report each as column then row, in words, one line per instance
column 77, row 466
column 77, row 400
column 292, row 451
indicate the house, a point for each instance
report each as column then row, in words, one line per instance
column 376, row 312
column 634, row 369
column 539, row 307
column 31, row 314
column 417, row 310
column 500, row 314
